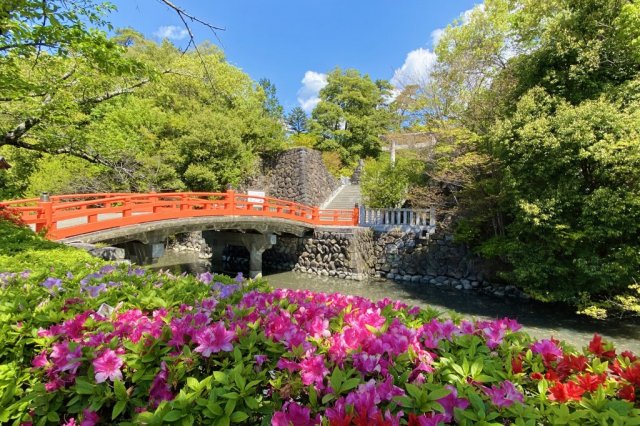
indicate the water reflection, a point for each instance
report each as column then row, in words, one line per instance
column 540, row 320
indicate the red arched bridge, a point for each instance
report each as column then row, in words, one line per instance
column 67, row 216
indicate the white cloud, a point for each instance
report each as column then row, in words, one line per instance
column 308, row 94
column 436, row 35
column 466, row 15
column 416, row 68
column 171, row 32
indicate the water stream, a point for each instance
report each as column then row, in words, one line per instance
column 539, row 319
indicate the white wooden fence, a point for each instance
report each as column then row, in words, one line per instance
column 404, row 219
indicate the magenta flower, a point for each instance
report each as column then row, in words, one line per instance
column 90, row 418
column 160, row 389
column 293, row 414
column 214, row 339
column 107, row 366
column 313, row 370
column 450, row 402
column 65, row 359
column 548, row 349
column 40, row 360
column 504, row 395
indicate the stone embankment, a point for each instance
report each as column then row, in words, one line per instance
column 190, row 242
column 436, row 260
column 359, row 253
column 341, row 254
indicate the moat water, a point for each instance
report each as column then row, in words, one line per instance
column 538, row 319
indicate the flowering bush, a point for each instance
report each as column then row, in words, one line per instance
column 125, row 345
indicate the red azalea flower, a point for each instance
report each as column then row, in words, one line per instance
column 603, row 350
column 571, row 364
column 632, row 374
column 536, row 376
column 552, row 376
column 616, row 367
column 627, row 392
column 630, row 355
column 590, row 382
column 516, row 365
column 563, row 392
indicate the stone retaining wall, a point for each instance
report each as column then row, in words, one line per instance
column 284, row 255
column 190, row 242
column 346, row 254
column 298, row 174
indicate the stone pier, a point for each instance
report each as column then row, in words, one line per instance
column 256, row 244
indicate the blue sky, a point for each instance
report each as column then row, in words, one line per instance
column 294, row 43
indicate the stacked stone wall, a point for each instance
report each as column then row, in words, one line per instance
column 343, row 254
column 298, row 174
column 283, row 256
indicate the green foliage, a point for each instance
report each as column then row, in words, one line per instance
column 297, row 121
column 385, row 185
column 551, row 89
column 154, row 325
column 351, row 115
column 271, row 104
column 156, row 136
column 573, row 224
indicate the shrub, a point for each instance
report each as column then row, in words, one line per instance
column 122, row 344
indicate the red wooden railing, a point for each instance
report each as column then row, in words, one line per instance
column 65, row 216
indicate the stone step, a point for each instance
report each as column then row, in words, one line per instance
column 347, row 198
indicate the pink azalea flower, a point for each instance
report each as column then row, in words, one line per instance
column 293, row 414
column 107, row 366
column 450, row 402
column 40, row 360
column 548, row 349
column 214, row 339
column 504, row 395
column 313, row 370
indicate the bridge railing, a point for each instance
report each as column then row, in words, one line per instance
column 409, row 219
column 66, row 216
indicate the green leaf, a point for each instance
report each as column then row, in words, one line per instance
column 215, row 408
column 193, row 383
column 172, row 416
column 350, row 384
column 120, row 390
column 414, row 391
column 220, row 377
column 239, row 416
column 439, row 393
column 117, row 409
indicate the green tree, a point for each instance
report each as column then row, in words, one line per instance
column 55, row 67
column 298, row 121
column 352, row 114
column 161, row 135
column 558, row 121
column 271, row 103
column 386, row 185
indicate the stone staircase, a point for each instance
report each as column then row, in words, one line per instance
column 347, row 198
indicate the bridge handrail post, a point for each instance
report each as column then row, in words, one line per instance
column 126, row 207
column 46, row 207
column 315, row 215
column 230, row 200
